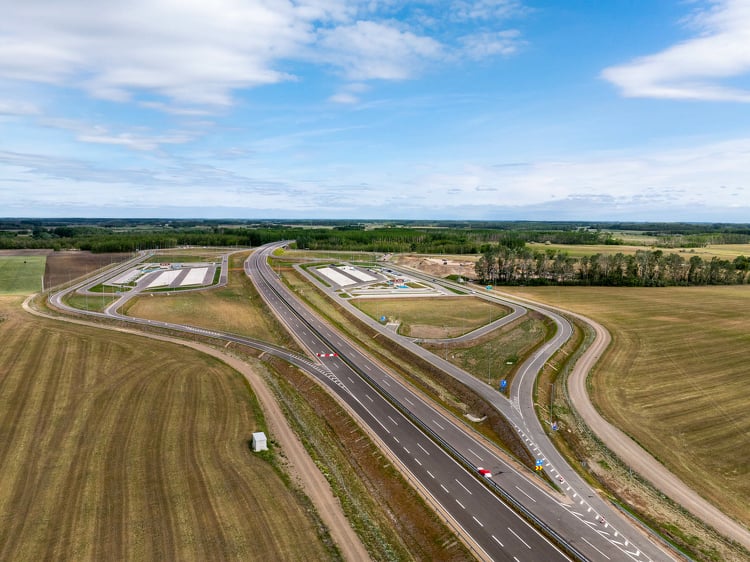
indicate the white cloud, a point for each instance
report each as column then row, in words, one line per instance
column 138, row 139
column 463, row 10
column 13, row 107
column 344, row 98
column 694, row 69
column 483, row 45
column 193, row 52
column 369, row 50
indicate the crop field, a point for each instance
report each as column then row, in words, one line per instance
column 115, row 450
column 188, row 256
column 676, row 378
column 723, row 251
column 21, row 275
column 440, row 317
column 63, row 267
column 236, row 308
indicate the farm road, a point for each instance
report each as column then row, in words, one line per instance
column 633, row 454
column 300, row 465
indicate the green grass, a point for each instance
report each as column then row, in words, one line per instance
column 437, row 317
column 495, row 357
column 21, row 275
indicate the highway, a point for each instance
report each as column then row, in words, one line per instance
column 420, row 437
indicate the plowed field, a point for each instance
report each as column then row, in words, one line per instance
column 114, row 448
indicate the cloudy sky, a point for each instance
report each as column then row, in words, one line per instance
column 461, row 109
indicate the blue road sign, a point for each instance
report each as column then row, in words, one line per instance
column 503, row 384
column 382, row 318
column 488, row 287
column 539, row 462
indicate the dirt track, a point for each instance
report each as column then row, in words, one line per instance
column 632, row 454
column 300, row 465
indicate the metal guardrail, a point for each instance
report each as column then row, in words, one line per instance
column 507, row 498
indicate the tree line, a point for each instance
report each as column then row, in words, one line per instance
column 503, row 265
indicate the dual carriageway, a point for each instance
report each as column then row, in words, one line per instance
column 436, row 453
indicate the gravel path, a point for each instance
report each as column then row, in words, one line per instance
column 301, row 467
column 633, row 454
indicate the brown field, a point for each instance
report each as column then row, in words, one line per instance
column 723, row 251
column 115, row 450
column 63, row 267
column 439, row 317
column 676, row 378
column 236, row 308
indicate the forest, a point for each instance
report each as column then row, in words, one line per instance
column 505, row 256
column 503, row 265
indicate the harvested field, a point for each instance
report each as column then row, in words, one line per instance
column 442, row 317
column 676, row 378
column 115, row 450
column 62, row 267
column 236, row 308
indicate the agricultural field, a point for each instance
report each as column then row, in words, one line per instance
column 62, row 267
column 21, row 275
column 723, row 251
column 235, row 308
column 676, row 378
column 440, row 317
column 115, row 450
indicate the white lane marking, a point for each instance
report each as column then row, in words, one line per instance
column 592, row 546
column 368, row 397
column 386, row 382
column 408, row 452
column 464, row 487
column 497, row 541
column 478, row 521
column 431, row 475
column 425, row 450
column 409, row 401
column 350, row 380
column 459, row 503
column 367, row 367
column 416, row 459
column 444, row 488
column 394, row 421
column 519, row 538
column 396, row 438
column 437, row 424
column 525, row 494
column 477, row 456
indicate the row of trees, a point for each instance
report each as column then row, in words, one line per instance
column 521, row 266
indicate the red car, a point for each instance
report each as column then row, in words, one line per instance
column 484, row 472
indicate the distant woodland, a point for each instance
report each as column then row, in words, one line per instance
column 505, row 256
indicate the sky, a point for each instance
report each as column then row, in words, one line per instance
column 376, row 109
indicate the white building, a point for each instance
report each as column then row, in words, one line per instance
column 259, row 442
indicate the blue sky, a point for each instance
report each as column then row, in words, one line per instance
column 453, row 109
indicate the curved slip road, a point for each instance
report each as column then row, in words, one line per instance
column 589, row 523
column 633, row 454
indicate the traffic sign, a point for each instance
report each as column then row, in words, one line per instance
column 488, row 287
column 382, row 319
column 503, row 384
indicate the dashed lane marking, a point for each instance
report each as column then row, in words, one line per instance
column 519, row 538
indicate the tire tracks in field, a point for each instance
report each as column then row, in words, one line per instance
column 299, row 463
column 633, row 454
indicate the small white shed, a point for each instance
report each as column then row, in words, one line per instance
column 259, row 442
